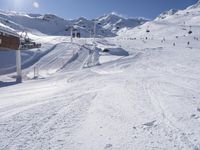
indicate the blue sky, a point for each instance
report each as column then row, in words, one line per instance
column 70, row 9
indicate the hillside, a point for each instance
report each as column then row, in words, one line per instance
column 135, row 91
column 170, row 24
column 54, row 25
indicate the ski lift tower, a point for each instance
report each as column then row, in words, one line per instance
column 94, row 31
column 73, row 31
column 71, row 34
column 95, row 27
column 70, row 28
column 10, row 40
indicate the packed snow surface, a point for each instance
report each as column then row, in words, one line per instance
column 140, row 94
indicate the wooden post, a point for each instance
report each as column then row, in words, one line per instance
column 18, row 66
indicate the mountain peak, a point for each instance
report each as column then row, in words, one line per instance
column 111, row 16
column 198, row 2
column 167, row 13
column 115, row 14
column 108, row 25
column 197, row 5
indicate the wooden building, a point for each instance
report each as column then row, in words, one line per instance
column 9, row 40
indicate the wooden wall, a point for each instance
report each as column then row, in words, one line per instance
column 9, row 41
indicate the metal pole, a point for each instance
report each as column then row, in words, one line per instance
column 90, row 33
column 71, row 34
column 18, row 66
column 94, row 38
column 94, row 31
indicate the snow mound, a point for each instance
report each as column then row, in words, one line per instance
column 116, row 51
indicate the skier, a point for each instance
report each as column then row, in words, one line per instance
column 163, row 39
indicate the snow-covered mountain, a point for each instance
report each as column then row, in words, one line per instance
column 115, row 22
column 135, row 91
column 167, row 13
column 50, row 24
column 170, row 24
column 86, row 28
column 197, row 5
column 47, row 24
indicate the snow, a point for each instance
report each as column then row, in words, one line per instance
column 116, row 22
column 141, row 94
column 53, row 25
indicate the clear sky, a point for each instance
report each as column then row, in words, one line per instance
column 70, row 9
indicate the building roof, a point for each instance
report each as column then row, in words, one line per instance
column 8, row 30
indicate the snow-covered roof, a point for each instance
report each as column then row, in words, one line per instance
column 7, row 30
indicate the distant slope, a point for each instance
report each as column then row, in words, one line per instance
column 115, row 22
column 171, row 24
column 51, row 24
column 47, row 24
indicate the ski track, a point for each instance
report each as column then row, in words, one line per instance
column 38, row 126
column 148, row 100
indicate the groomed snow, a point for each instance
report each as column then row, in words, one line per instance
column 85, row 99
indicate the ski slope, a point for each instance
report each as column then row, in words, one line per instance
column 139, row 101
column 142, row 94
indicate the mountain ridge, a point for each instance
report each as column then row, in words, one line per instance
column 107, row 25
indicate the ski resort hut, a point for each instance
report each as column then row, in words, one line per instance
column 9, row 40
